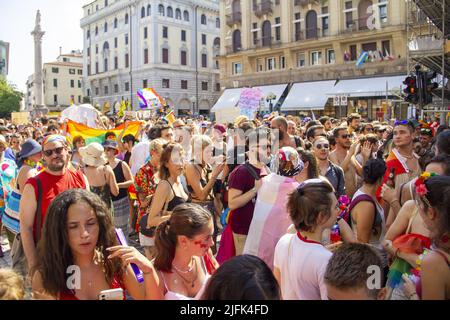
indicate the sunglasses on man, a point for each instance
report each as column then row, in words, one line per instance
column 321, row 146
column 49, row 153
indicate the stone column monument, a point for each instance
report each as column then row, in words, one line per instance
column 37, row 34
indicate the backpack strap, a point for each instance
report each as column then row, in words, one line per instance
column 298, row 141
column 358, row 199
column 38, row 215
column 252, row 171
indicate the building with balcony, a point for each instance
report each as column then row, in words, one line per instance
column 168, row 46
column 306, row 52
column 62, row 83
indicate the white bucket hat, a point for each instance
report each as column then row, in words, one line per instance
column 92, row 154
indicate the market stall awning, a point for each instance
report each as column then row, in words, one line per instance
column 277, row 90
column 368, row 87
column 228, row 99
column 308, row 96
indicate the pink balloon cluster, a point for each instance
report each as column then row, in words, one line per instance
column 250, row 98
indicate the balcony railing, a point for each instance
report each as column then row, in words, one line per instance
column 265, row 7
column 265, row 42
column 305, row 2
column 230, row 49
column 299, row 36
column 234, row 18
column 313, row 33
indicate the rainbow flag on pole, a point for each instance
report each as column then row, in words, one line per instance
column 170, row 117
column 149, row 98
column 98, row 135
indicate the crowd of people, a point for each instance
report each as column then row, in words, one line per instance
column 276, row 207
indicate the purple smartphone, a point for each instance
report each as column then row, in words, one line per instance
column 123, row 242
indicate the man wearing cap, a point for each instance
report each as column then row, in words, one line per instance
column 55, row 179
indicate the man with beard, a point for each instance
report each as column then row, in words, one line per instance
column 426, row 136
column 43, row 188
column 326, row 122
column 327, row 169
column 286, row 140
column 244, row 183
column 342, row 156
column 354, row 121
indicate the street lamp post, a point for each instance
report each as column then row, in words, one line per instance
column 269, row 98
column 193, row 100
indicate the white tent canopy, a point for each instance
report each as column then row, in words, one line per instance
column 228, row 99
column 85, row 114
column 277, row 90
column 368, row 87
column 307, row 96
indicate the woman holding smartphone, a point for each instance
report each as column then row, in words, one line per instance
column 72, row 255
column 183, row 262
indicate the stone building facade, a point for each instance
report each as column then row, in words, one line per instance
column 302, row 41
column 170, row 46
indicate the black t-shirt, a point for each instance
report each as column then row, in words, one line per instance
column 127, row 157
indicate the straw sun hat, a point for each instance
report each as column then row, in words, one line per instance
column 92, row 154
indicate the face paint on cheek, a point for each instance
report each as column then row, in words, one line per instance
column 202, row 244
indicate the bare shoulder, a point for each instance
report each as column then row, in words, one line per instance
column 435, row 261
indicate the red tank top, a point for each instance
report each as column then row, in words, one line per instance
column 116, row 284
column 52, row 186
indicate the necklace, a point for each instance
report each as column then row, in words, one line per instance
column 184, row 272
column 406, row 157
column 192, row 283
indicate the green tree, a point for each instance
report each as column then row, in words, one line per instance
column 10, row 99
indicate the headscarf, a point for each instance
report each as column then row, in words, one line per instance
column 287, row 162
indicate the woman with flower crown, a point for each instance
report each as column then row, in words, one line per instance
column 430, row 280
column 408, row 235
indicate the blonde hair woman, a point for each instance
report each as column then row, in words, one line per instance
column 200, row 177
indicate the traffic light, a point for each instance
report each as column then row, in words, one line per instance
column 428, row 86
column 411, row 90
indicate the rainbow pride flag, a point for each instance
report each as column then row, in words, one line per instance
column 149, row 98
column 98, row 135
column 170, row 117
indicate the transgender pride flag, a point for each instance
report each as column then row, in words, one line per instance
column 270, row 218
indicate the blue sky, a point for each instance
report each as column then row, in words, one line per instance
column 60, row 19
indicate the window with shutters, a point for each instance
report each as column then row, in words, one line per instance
column 204, row 60
column 145, row 56
column 183, row 58
column 165, row 55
